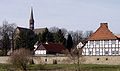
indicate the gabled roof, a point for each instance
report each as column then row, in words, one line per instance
column 40, row 30
column 102, row 33
column 51, row 47
column 36, row 31
column 22, row 29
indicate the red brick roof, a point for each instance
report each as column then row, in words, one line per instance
column 102, row 33
column 52, row 47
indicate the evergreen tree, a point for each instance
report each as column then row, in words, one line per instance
column 59, row 38
column 46, row 36
column 25, row 40
column 50, row 37
column 69, row 42
column 39, row 37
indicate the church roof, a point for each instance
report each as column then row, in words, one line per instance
column 102, row 33
column 40, row 30
column 36, row 31
column 23, row 29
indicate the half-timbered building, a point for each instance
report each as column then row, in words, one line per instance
column 101, row 42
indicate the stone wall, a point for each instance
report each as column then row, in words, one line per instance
column 51, row 60
column 112, row 60
column 4, row 59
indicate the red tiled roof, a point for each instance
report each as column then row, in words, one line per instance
column 41, row 47
column 102, row 33
column 52, row 47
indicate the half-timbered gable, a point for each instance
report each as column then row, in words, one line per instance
column 102, row 42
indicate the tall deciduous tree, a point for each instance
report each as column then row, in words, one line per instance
column 6, row 34
column 69, row 42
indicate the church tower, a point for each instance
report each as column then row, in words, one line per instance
column 31, row 21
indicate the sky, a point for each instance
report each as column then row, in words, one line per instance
column 70, row 14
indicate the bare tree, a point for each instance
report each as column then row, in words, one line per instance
column 77, row 58
column 7, row 28
column 77, row 37
column 54, row 29
column 6, row 33
column 87, row 34
column 20, row 58
column 64, row 31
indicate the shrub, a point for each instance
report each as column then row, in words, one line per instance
column 20, row 58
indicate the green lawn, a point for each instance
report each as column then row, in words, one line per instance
column 64, row 67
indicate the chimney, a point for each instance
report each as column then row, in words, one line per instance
column 106, row 24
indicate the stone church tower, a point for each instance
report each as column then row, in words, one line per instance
column 31, row 21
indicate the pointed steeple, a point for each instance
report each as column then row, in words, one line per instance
column 31, row 21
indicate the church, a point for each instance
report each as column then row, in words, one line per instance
column 31, row 25
column 31, row 28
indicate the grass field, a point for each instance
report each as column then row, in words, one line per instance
column 63, row 67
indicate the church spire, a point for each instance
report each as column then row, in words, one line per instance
column 31, row 21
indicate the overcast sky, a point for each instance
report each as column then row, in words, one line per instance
column 70, row 14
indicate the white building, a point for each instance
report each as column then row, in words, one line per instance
column 101, row 42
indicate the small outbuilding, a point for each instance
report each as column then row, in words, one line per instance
column 49, row 48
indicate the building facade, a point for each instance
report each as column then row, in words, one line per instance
column 49, row 48
column 102, row 42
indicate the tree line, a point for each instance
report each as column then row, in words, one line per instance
column 27, row 40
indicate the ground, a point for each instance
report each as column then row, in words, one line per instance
column 63, row 67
